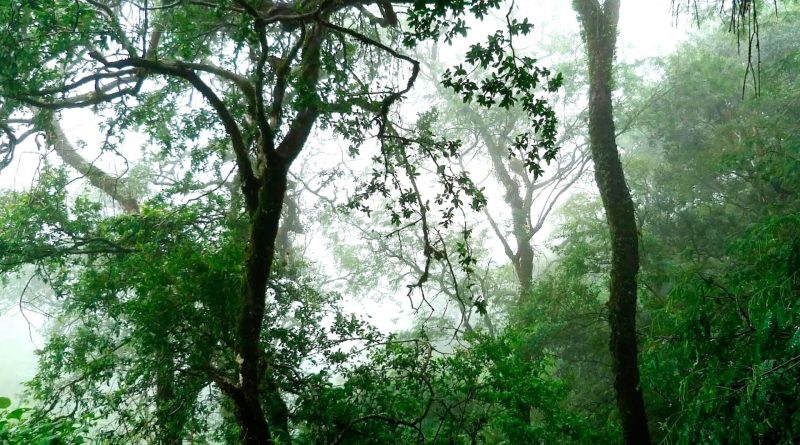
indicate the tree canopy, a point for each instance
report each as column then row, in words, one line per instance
column 250, row 175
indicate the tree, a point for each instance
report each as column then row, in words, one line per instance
column 529, row 195
column 712, row 174
column 599, row 32
column 267, row 73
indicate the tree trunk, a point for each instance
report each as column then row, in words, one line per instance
column 170, row 421
column 265, row 217
column 253, row 428
column 599, row 30
column 265, row 221
column 522, row 258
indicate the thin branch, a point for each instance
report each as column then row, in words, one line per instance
column 231, row 127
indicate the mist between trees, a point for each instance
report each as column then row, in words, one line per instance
column 400, row 222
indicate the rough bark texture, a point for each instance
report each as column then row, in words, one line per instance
column 599, row 28
column 261, row 252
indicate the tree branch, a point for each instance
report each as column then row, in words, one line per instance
column 177, row 69
column 100, row 179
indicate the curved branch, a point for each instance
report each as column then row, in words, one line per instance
column 183, row 71
column 98, row 96
column 100, row 179
column 415, row 67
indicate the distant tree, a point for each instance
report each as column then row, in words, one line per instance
column 529, row 196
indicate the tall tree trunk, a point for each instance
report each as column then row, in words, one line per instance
column 265, row 202
column 599, row 31
column 260, row 254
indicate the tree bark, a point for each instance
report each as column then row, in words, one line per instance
column 260, row 254
column 111, row 185
column 599, row 32
column 265, row 217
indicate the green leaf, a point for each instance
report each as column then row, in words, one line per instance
column 16, row 414
column 5, row 402
column 795, row 341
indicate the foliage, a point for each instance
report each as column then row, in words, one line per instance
column 485, row 393
column 734, row 336
column 722, row 230
column 28, row 426
column 512, row 79
column 183, row 299
column 162, row 330
column 127, row 328
column 147, row 334
column 713, row 175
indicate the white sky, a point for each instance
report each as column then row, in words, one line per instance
column 646, row 30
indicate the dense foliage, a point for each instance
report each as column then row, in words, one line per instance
column 714, row 177
column 212, row 291
column 27, row 426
